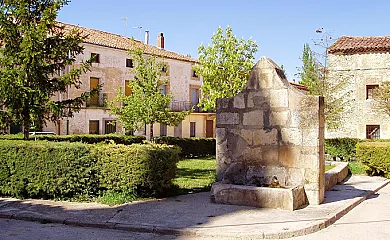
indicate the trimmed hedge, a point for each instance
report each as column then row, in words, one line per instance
column 147, row 169
column 42, row 169
column 191, row 147
column 342, row 148
column 84, row 138
column 376, row 156
column 46, row 170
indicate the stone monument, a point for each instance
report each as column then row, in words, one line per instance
column 270, row 144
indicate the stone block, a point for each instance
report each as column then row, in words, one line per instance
column 254, row 118
column 280, row 118
column 310, row 137
column 279, row 98
column 291, row 136
column 265, row 137
column 270, row 155
column 235, row 173
column 288, row 156
column 252, row 155
column 222, row 147
column 295, row 176
column 239, row 101
column 283, row 198
column 247, row 135
column 222, row 103
column 227, row 118
column 257, row 99
column 220, row 134
column 295, row 119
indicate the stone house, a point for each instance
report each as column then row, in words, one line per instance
column 111, row 68
column 365, row 63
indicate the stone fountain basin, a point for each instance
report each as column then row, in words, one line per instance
column 288, row 198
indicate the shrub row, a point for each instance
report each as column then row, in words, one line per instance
column 191, row 147
column 43, row 169
column 341, row 148
column 376, row 156
column 85, row 138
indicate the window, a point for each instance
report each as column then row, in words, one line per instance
column 109, row 126
column 93, row 126
column 164, row 67
column 129, row 63
column 192, row 129
column 370, row 91
column 194, row 75
column 95, row 58
column 373, row 131
column 163, row 129
column 128, row 90
column 93, row 83
column 194, row 97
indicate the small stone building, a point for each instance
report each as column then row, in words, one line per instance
column 365, row 63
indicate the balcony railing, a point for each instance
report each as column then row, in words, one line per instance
column 177, row 106
column 102, row 101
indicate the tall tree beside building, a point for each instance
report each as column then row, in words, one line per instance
column 382, row 97
column 35, row 50
column 146, row 104
column 225, row 66
column 314, row 75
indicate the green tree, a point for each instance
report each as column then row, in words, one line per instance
column 382, row 97
column 225, row 66
column 35, row 49
column 314, row 75
column 309, row 72
column 147, row 104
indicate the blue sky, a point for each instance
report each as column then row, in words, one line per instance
column 280, row 28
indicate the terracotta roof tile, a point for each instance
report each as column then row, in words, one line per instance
column 352, row 45
column 121, row 42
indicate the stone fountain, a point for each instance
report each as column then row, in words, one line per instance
column 270, row 144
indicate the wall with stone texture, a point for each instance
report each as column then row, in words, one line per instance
column 360, row 70
column 271, row 129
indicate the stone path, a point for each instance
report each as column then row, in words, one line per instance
column 193, row 215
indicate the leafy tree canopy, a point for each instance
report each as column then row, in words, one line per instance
column 225, row 66
column 146, row 104
column 35, row 51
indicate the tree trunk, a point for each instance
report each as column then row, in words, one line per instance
column 151, row 133
column 26, row 124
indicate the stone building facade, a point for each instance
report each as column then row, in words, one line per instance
column 365, row 63
column 112, row 69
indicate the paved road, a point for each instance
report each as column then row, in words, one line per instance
column 22, row 230
column 368, row 221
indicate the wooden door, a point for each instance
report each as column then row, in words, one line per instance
column 209, row 128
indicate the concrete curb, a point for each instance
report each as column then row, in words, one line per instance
column 313, row 227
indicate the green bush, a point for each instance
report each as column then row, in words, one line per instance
column 342, row 148
column 43, row 169
column 46, row 170
column 85, row 138
column 147, row 169
column 376, row 156
column 191, row 147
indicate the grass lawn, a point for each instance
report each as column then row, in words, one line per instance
column 357, row 167
column 195, row 175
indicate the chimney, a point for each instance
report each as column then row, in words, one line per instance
column 160, row 40
column 147, row 37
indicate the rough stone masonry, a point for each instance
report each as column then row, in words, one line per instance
column 269, row 130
